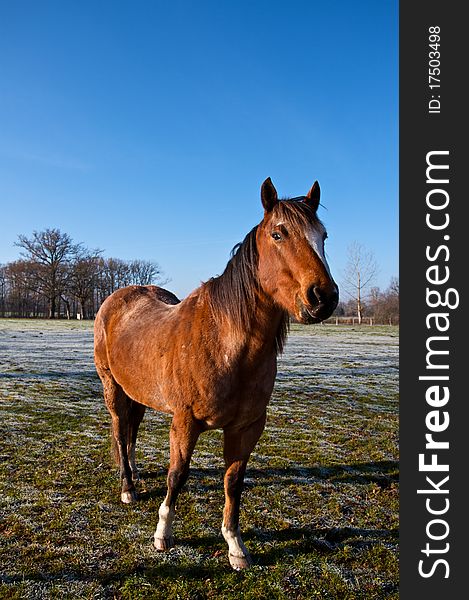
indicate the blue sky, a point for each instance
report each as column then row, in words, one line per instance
column 146, row 128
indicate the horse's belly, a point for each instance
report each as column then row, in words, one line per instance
column 238, row 404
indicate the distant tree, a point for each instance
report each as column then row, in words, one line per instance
column 57, row 277
column 22, row 296
column 374, row 295
column 144, row 272
column 82, row 280
column 49, row 252
column 360, row 271
column 115, row 273
column 392, row 300
column 3, row 290
column 394, row 286
column 384, row 306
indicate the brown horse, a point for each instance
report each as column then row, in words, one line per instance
column 211, row 360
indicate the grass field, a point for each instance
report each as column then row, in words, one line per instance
column 320, row 506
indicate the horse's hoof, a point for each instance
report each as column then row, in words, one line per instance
column 129, row 497
column 240, row 562
column 164, row 544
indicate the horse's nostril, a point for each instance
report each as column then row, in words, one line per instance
column 316, row 296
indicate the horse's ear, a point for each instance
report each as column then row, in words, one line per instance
column 313, row 196
column 268, row 195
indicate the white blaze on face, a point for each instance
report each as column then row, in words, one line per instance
column 315, row 236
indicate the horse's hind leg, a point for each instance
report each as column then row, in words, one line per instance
column 135, row 418
column 183, row 436
column 119, row 407
column 238, row 445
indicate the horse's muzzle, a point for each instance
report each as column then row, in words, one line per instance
column 321, row 304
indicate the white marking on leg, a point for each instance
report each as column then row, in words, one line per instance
column 164, row 529
column 236, row 546
column 128, row 497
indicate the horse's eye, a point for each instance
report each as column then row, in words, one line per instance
column 276, row 235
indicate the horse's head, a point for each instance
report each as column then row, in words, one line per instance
column 292, row 266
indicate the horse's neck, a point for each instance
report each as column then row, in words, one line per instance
column 266, row 321
column 261, row 331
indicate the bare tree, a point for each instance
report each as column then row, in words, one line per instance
column 3, row 289
column 392, row 300
column 22, row 296
column 359, row 274
column 56, row 276
column 384, row 306
column 144, row 272
column 394, row 286
column 82, row 281
column 50, row 251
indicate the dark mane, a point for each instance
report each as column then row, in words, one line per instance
column 234, row 292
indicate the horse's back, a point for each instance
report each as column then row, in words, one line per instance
column 131, row 297
column 124, row 306
column 136, row 293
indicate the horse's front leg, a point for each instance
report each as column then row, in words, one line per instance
column 238, row 445
column 183, row 437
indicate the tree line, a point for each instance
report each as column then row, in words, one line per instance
column 56, row 277
column 382, row 306
column 361, row 297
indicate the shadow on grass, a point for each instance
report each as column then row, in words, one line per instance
column 289, row 544
column 274, row 547
column 383, row 473
column 295, row 541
